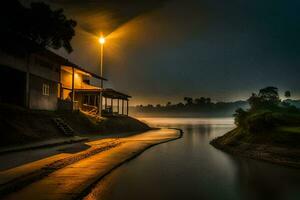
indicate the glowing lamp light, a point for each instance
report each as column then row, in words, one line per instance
column 101, row 40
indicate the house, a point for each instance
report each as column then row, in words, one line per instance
column 42, row 80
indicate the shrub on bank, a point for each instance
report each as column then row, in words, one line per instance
column 266, row 113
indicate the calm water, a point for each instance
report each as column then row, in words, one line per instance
column 190, row 168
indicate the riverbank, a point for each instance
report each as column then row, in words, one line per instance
column 278, row 146
column 23, row 127
column 57, row 177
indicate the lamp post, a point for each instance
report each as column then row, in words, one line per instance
column 101, row 41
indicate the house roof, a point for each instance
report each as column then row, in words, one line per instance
column 89, row 91
column 23, row 45
column 63, row 61
column 110, row 93
column 86, row 71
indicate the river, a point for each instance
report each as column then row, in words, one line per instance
column 190, row 168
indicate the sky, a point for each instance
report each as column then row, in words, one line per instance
column 160, row 51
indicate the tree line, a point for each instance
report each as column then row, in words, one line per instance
column 204, row 105
column 193, row 105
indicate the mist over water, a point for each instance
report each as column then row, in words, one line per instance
column 190, row 168
column 169, row 122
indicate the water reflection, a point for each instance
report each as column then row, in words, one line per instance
column 190, row 168
column 259, row 180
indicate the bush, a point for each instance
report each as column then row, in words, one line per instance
column 260, row 122
column 239, row 117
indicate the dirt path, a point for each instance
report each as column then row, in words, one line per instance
column 71, row 176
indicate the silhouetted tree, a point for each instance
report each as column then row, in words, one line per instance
column 200, row 101
column 205, row 103
column 240, row 116
column 168, row 104
column 197, row 101
column 254, row 101
column 38, row 23
column 208, row 100
column 188, row 100
column 269, row 94
column 267, row 97
column 287, row 94
column 179, row 105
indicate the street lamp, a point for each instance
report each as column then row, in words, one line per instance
column 101, row 41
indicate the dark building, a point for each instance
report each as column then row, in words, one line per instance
column 43, row 80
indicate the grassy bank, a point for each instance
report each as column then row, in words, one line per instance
column 21, row 126
column 270, row 135
column 269, row 130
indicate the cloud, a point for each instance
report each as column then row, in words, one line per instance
column 95, row 16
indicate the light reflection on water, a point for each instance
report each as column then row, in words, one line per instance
column 190, row 168
column 187, row 121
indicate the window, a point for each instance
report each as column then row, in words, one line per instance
column 46, row 89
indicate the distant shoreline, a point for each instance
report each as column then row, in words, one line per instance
column 180, row 115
